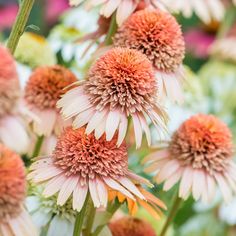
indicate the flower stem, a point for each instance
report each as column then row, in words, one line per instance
column 227, row 22
column 91, row 216
column 112, row 211
column 38, row 146
column 19, row 25
column 173, row 211
column 80, row 219
column 112, row 30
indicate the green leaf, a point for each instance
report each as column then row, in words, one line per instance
column 33, row 27
column 105, row 232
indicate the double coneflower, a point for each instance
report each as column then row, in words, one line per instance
column 12, row 129
column 81, row 165
column 121, row 84
column 157, row 34
column 43, row 89
column 14, row 220
column 200, row 157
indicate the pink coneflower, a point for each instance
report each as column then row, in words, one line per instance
column 43, row 89
column 158, row 35
column 80, row 164
column 120, row 84
column 131, row 226
column 12, row 129
column 14, row 220
column 200, row 156
column 123, row 8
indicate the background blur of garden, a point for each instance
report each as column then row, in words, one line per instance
column 211, row 85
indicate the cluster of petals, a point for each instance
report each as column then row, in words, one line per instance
column 81, row 164
column 206, row 10
column 158, row 35
column 151, row 204
column 43, row 89
column 12, row 129
column 14, row 220
column 123, row 8
column 200, row 157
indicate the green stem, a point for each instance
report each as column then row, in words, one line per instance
column 112, row 30
column 227, row 22
column 80, row 219
column 112, row 211
column 173, row 211
column 38, row 146
column 90, row 220
column 19, row 25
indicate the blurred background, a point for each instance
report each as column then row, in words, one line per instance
column 211, row 85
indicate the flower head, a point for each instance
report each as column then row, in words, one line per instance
column 9, row 83
column 44, row 88
column 12, row 130
column 13, row 184
column 131, row 226
column 200, row 154
column 12, row 194
column 81, row 163
column 157, row 35
column 121, row 83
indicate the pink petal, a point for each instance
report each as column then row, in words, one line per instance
column 122, row 129
column 94, row 193
column 102, row 192
column 167, row 170
column 96, row 120
column 186, row 183
column 114, row 185
column 112, row 123
column 83, row 118
column 224, row 187
column 145, row 127
column 131, row 187
column 66, row 190
column 79, row 196
column 137, row 131
column 54, row 185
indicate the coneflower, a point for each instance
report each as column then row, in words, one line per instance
column 121, row 84
column 14, row 220
column 131, row 226
column 200, row 157
column 43, row 89
column 80, row 164
column 157, row 34
column 12, row 129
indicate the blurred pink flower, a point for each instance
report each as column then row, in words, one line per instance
column 198, row 42
column 8, row 14
column 54, row 9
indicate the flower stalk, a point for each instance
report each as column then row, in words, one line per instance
column 20, row 24
column 38, row 146
column 112, row 30
column 173, row 211
column 80, row 218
